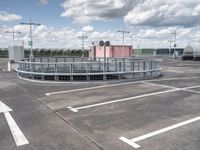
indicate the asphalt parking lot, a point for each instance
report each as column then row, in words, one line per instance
column 157, row 114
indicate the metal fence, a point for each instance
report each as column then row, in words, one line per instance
column 74, row 68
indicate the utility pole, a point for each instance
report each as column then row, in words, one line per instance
column 83, row 42
column 175, row 34
column 170, row 46
column 30, row 23
column 123, row 34
column 13, row 34
column 131, row 39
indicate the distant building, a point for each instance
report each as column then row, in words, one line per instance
column 138, row 52
column 158, row 51
column 113, row 51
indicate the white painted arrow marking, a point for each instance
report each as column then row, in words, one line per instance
column 18, row 136
column 4, row 108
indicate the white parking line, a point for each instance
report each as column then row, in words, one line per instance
column 91, row 88
column 192, row 87
column 161, row 85
column 72, row 109
column 173, row 89
column 175, row 71
column 132, row 142
column 125, row 140
column 122, row 100
column 192, row 91
column 170, row 79
column 113, row 85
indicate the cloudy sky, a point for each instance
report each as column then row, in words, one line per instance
column 151, row 22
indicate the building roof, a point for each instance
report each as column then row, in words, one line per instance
column 118, row 45
column 122, row 45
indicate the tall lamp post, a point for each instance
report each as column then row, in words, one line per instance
column 170, row 46
column 175, row 34
column 13, row 34
column 131, row 39
column 123, row 36
column 30, row 23
column 82, row 37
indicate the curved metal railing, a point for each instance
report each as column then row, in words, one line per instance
column 74, row 68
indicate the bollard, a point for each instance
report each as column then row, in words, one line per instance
column 174, row 56
column 154, row 53
column 9, row 66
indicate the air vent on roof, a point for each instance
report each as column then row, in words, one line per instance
column 101, row 43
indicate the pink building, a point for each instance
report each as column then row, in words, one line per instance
column 113, row 51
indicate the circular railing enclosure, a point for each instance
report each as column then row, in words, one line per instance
column 87, row 69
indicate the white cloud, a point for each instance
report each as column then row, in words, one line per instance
column 159, row 38
column 156, row 34
column 87, row 29
column 135, row 12
column 84, row 11
column 154, row 20
column 22, row 28
column 164, row 13
column 44, row 2
column 50, row 37
column 8, row 17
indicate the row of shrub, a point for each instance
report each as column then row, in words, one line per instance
column 49, row 52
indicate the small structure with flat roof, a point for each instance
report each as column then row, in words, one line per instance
column 112, row 51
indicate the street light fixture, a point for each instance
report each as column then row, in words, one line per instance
column 175, row 45
column 13, row 34
column 170, row 46
column 30, row 23
column 123, row 34
column 82, row 37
